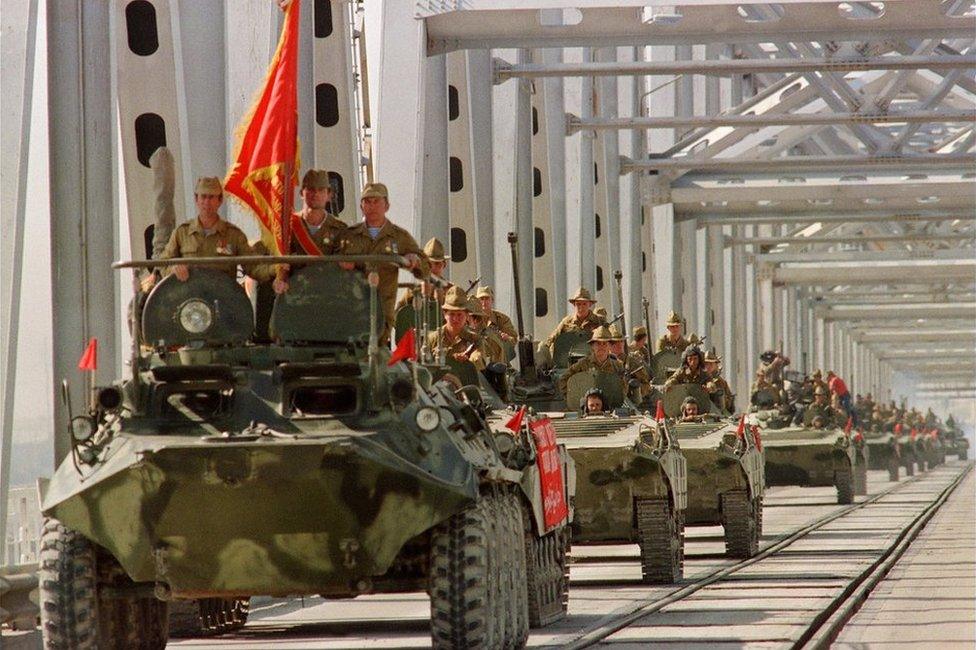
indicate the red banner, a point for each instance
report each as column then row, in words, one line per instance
column 555, row 508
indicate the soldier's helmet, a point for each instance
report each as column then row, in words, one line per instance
column 674, row 318
column 434, row 250
column 593, row 392
column 602, row 333
column 691, row 351
column 689, row 401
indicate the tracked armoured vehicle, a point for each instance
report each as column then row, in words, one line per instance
column 812, row 457
column 220, row 469
column 956, row 441
column 726, row 473
column 884, row 452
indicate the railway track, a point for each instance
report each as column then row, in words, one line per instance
column 817, row 564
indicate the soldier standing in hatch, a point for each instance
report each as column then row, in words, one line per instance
column 599, row 359
column 314, row 230
column 454, row 337
column 672, row 339
column 434, row 252
column 639, row 346
column 633, row 366
column 497, row 320
column 772, row 365
column 690, row 372
column 716, row 383
column 821, row 411
column 377, row 235
column 583, row 320
column 478, row 323
column 207, row 235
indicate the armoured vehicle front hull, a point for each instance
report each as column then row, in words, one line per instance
column 815, row 458
column 884, row 452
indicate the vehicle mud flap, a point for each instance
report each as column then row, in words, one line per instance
column 860, row 477
column 963, row 454
column 207, row 616
column 893, row 469
column 742, row 520
column 547, row 569
column 661, row 541
column 910, row 467
column 844, row 483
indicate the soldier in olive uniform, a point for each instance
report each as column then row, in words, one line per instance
column 633, row 366
column 763, row 389
column 818, row 380
column 478, row 323
column 672, row 339
column 772, row 365
column 314, row 230
column 434, row 252
column 453, row 337
column 582, row 320
column 821, row 410
column 690, row 372
column 377, row 235
column 716, row 383
column 208, row 235
column 497, row 320
column 599, row 359
column 594, row 402
column 639, row 346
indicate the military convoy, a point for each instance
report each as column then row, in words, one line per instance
column 221, row 469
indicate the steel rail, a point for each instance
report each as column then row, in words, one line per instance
column 788, row 164
column 603, row 631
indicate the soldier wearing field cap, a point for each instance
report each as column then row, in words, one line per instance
column 633, row 365
column 639, row 345
column 377, row 235
column 599, row 359
column 672, row 339
column 716, row 384
column 478, row 323
column 207, row 235
column 454, row 337
column 435, row 254
column 582, row 320
column 497, row 320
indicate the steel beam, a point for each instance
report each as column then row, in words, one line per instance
column 918, row 336
column 629, row 22
column 758, row 215
column 796, row 164
column 967, row 311
column 940, row 353
column 943, row 254
column 849, row 239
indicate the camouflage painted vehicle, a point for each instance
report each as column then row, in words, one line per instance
column 884, row 452
column 221, row 469
column 955, row 440
column 632, row 479
column 809, row 457
column 935, row 451
column 726, row 472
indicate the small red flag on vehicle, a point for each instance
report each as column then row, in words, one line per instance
column 659, row 415
column 741, row 431
column 89, row 358
column 515, row 423
column 849, row 425
column 756, row 438
column 406, row 348
column 914, row 433
column 898, row 429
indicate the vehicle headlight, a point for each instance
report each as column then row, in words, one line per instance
column 196, row 316
column 82, row 428
column 428, row 418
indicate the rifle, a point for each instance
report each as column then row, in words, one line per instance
column 647, row 326
column 472, row 285
column 526, row 354
column 618, row 277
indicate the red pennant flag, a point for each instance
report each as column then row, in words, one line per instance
column 858, row 437
column 406, row 348
column 515, row 423
column 914, row 433
column 847, row 427
column 741, row 431
column 89, row 358
column 659, row 415
column 755, row 436
column 898, row 429
column 264, row 173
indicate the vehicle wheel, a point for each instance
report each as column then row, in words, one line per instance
column 660, row 540
column 74, row 614
column 742, row 520
column 547, row 571
column 463, row 577
column 861, row 477
column 845, row 486
column 910, row 468
column 893, row 468
column 515, row 597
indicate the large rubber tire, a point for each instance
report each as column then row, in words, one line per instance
column 742, row 520
column 473, row 562
column 893, row 469
column 207, row 616
column 910, row 468
column 661, row 541
column 547, row 569
column 75, row 615
column 860, row 478
column 844, row 483
column 515, row 595
column 922, row 465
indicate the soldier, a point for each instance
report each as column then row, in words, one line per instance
column 378, row 235
column 689, row 410
column 434, row 252
column 672, row 339
column 598, row 359
column 716, row 384
column 690, row 371
column 764, row 394
column 582, row 320
column 820, row 410
column 772, row 364
column 208, row 235
column 454, row 337
column 639, row 346
column 477, row 323
column 594, row 402
column 496, row 319
column 314, row 230
column 818, row 379
column 633, row 366
column 840, row 394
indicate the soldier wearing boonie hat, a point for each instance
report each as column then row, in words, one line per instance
column 434, row 252
column 672, row 339
column 478, row 323
column 499, row 320
column 582, row 320
column 208, row 235
column 377, row 235
column 599, row 359
column 716, row 383
column 454, row 337
column 633, row 365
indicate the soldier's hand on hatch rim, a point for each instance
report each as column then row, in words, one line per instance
column 348, row 266
column 182, row 272
column 413, row 259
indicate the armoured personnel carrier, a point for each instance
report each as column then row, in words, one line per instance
column 812, row 457
column 956, row 441
column 221, row 469
column 884, row 451
column 726, row 472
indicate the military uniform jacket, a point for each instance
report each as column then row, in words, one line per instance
column 457, row 344
column 502, row 323
column 718, row 383
column 776, row 391
column 189, row 240
column 494, row 352
column 611, row 365
column 407, row 297
column 684, row 375
column 326, row 237
column 824, row 411
column 665, row 343
column 773, row 371
column 641, row 351
column 570, row 324
column 637, row 370
column 355, row 240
